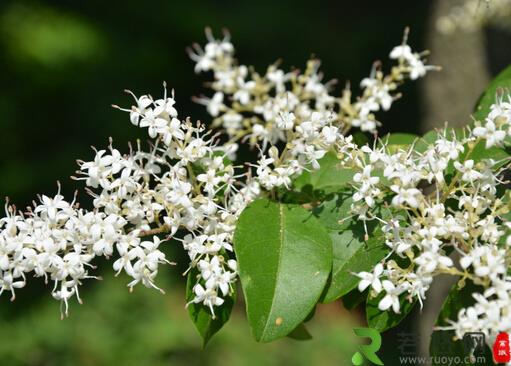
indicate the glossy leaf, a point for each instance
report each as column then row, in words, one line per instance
column 360, row 138
column 284, row 257
column 499, row 86
column 384, row 320
column 353, row 299
column 351, row 253
column 480, row 152
column 330, row 177
column 300, row 333
column 399, row 139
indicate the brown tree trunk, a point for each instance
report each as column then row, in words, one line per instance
column 449, row 96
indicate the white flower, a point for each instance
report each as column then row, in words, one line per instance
column 210, row 179
column 448, row 148
column 64, row 294
column 365, row 177
column 469, row 174
column 330, row 134
column 371, row 279
column 493, row 136
column 285, row 120
column 429, row 261
column 209, row 268
column 391, row 298
column 8, row 283
column 208, row 297
column 410, row 196
column 214, row 105
column 401, row 51
column 232, row 122
column 53, row 208
column 156, row 124
column 173, row 131
column 417, row 69
column 137, row 111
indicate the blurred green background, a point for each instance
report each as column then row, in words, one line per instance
column 62, row 63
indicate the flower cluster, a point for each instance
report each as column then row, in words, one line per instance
column 184, row 184
column 265, row 108
column 183, row 187
column 440, row 196
column 53, row 240
column 295, row 108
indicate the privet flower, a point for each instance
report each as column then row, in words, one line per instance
column 183, row 183
column 295, row 108
column 427, row 216
column 183, row 188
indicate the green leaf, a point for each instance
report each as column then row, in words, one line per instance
column 284, row 259
column 351, row 253
column 442, row 341
column 480, row 152
column 201, row 316
column 499, row 86
column 399, row 139
column 330, row 177
column 311, row 315
column 430, row 137
column 360, row 138
column 354, row 298
column 384, row 320
column 300, row 333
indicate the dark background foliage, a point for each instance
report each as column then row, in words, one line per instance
column 64, row 62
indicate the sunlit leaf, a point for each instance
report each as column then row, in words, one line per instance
column 284, row 258
column 330, row 177
column 351, row 252
column 384, row 320
column 499, row 86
